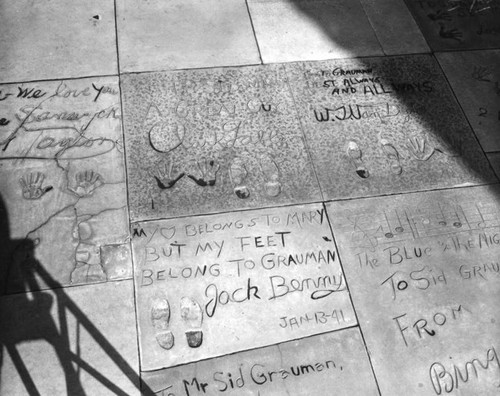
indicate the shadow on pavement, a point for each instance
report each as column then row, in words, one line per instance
column 30, row 317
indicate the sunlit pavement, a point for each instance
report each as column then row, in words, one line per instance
column 250, row 197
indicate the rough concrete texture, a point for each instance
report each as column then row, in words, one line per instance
column 213, row 140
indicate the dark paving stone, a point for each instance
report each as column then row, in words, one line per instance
column 384, row 125
column 458, row 24
column 423, row 272
column 394, row 26
column 213, row 140
column 213, row 285
column 62, row 183
column 319, row 365
column 475, row 79
column 494, row 159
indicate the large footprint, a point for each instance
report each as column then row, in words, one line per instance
column 160, row 317
column 192, row 315
column 355, row 154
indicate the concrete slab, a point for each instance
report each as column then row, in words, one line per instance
column 63, row 184
column 394, row 26
column 494, row 159
column 50, row 39
column 458, row 24
column 186, row 34
column 312, row 366
column 296, row 30
column 384, row 125
column 213, row 140
column 63, row 341
column 475, row 79
column 213, row 285
column 424, row 276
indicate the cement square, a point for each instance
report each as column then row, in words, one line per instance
column 458, row 24
column 384, row 125
column 201, row 141
column 310, row 366
column 47, row 39
column 297, row 30
column 75, row 341
column 177, row 34
column 424, row 276
column 394, row 26
column 475, row 78
column 212, row 285
column 62, row 182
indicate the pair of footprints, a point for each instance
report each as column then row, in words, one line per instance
column 355, row 154
column 238, row 174
column 417, row 147
column 191, row 314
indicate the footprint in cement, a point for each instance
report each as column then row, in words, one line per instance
column 192, row 315
column 238, row 173
column 160, row 318
column 355, row 154
column 272, row 187
column 393, row 156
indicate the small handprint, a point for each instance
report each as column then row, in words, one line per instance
column 165, row 178
column 440, row 15
column 208, row 172
column 453, row 34
column 31, row 185
column 419, row 148
column 86, row 183
column 481, row 73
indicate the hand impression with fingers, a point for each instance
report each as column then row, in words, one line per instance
column 419, row 148
column 31, row 185
column 86, row 183
column 208, row 172
column 166, row 178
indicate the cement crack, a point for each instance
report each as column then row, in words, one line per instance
column 49, row 219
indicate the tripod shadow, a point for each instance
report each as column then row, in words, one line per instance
column 28, row 317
